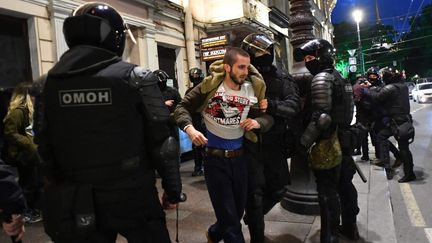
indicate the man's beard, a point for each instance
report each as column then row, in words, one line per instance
column 235, row 79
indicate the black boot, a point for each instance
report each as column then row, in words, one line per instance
column 408, row 164
column 389, row 173
column 407, row 178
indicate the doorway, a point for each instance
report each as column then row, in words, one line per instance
column 167, row 62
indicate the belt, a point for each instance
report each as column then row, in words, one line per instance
column 224, row 153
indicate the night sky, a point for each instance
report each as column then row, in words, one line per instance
column 392, row 12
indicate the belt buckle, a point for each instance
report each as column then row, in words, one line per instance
column 226, row 153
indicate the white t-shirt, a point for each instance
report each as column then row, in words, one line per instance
column 225, row 111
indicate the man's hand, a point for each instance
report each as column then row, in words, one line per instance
column 250, row 124
column 15, row 227
column 366, row 84
column 166, row 204
column 263, row 105
column 169, row 103
column 196, row 136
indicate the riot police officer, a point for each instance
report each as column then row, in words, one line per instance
column 395, row 99
column 268, row 172
column 103, row 134
column 170, row 94
column 171, row 97
column 373, row 113
column 196, row 76
column 365, row 112
column 332, row 112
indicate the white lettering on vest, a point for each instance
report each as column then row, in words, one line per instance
column 85, row 97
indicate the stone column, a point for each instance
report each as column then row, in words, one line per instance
column 60, row 10
column 301, row 196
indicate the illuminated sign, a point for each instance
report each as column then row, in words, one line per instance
column 213, row 48
column 214, row 54
column 214, row 41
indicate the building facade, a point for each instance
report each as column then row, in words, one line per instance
column 168, row 33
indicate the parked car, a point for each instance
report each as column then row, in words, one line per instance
column 411, row 86
column 422, row 92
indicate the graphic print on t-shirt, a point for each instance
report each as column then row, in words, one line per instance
column 226, row 109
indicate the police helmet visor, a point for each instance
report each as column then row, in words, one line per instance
column 161, row 75
column 257, row 44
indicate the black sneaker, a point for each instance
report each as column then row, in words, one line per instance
column 33, row 216
column 199, row 172
column 365, row 158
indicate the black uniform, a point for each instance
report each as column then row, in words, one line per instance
column 104, row 133
column 268, row 170
column 395, row 99
column 170, row 93
column 332, row 110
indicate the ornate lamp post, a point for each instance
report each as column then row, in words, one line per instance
column 301, row 196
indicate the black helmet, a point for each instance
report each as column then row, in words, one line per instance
column 390, row 75
column 196, row 75
column 255, row 43
column 372, row 75
column 260, row 48
column 96, row 24
column 319, row 48
column 372, row 70
column 161, row 75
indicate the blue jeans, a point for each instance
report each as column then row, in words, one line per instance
column 226, row 180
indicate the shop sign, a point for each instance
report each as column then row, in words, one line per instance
column 213, row 54
column 214, row 41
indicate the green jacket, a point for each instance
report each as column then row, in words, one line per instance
column 197, row 98
column 19, row 146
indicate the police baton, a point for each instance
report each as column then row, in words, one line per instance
column 183, row 198
column 360, row 172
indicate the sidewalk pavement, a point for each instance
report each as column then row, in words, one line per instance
column 375, row 220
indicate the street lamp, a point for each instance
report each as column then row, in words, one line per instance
column 357, row 14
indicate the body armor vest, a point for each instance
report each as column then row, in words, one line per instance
column 398, row 107
column 94, row 123
column 342, row 101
